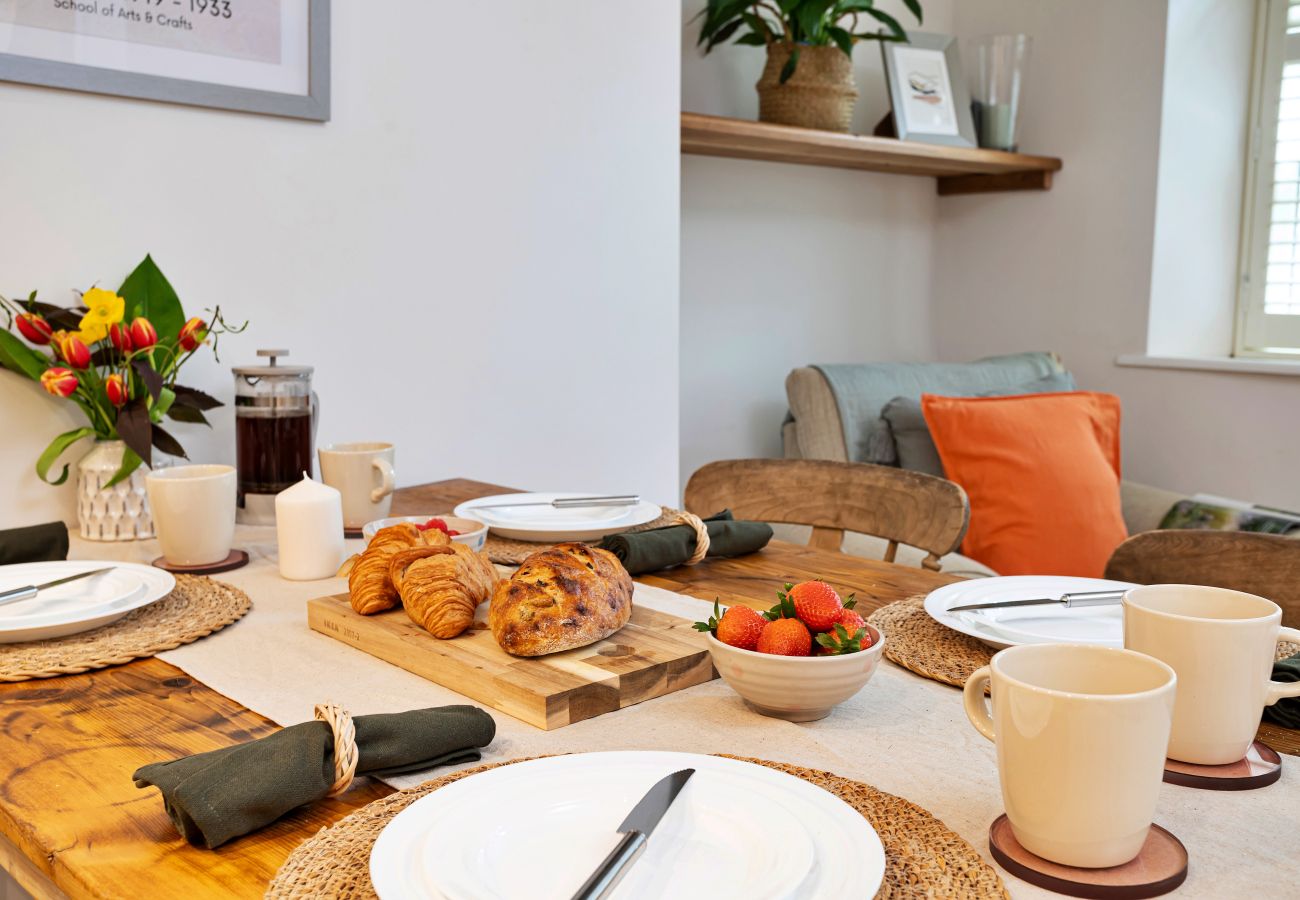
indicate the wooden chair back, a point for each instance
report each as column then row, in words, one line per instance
column 1263, row 564
column 900, row 506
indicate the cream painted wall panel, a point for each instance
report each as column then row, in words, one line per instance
column 1070, row 270
column 479, row 253
column 785, row 265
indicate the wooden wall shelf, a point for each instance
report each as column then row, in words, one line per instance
column 959, row 170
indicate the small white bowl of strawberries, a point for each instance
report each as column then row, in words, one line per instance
column 799, row 659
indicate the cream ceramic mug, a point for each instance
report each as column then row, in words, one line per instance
column 193, row 512
column 1221, row 643
column 1081, row 732
column 363, row 474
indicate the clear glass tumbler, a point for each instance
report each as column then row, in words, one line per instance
column 1000, row 61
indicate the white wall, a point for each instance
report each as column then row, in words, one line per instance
column 1071, row 269
column 478, row 253
column 787, row 265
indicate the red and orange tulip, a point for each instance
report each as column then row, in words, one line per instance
column 143, row 334
column 59, row 381
column 34, row 327
column 120, row 335
column 116, row 390
column 73, row 350
column 192, row 333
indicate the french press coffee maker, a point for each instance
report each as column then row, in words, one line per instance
column 275, row 430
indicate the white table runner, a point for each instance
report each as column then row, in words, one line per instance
column 903, row 734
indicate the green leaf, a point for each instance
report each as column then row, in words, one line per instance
column 20, row 358
column 788, row 69
column 163, row 405
column 897, row 32
column 130, row 462
column 842, row 39
column 711, row 626
column 55, row 450
column 148, row 293
column 915, row 7
column 722, row 34
column 758, row 24
column 752, row 40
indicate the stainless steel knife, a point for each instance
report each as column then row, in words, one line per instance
column 1069, row 601
column 636, row 830
column 13, row 595
column 569, row 502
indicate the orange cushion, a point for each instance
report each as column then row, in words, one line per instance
column 1042, row 473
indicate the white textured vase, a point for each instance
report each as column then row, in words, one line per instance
column 117, row 513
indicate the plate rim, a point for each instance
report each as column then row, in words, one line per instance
column 165, row 584
column 990, row 638
column 871, row 853
column 648, row 512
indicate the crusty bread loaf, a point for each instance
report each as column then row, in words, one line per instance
column 567, row 596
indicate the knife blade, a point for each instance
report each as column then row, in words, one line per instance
column 1068, row 601
column 636, row 830
column 13, row 595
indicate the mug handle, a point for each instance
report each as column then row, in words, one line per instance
column 973, row 698
column 389, row 477
column 1280, row 689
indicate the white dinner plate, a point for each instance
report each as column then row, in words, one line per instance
column 548, row 524
column 538, row 829
column 1103, row 625
column 79, row 605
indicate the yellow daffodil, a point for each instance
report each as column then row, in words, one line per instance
column 104, row 308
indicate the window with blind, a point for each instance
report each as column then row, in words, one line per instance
column 1268, row 320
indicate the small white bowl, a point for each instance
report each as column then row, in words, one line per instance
column 472, row 533
column 795, row 688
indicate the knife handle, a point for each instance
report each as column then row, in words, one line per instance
column 1093, row 598
column 609, row 873
column 579, row 502
column 18, row 593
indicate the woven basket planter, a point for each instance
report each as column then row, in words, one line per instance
column 820, row 94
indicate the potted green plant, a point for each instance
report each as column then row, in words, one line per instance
column 808, row 79
column 116, row 356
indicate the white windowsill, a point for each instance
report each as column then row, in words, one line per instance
column 1244, row 365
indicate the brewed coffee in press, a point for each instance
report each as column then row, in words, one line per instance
column 275, row 430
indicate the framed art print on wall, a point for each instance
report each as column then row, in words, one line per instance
column 261, row 56
column 930, row 100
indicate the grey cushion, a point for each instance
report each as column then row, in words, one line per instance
column 862, row 390
column 911, row 435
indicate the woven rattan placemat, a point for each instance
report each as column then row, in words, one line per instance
column 922, row 857
column 509, row 552
column 197, row 607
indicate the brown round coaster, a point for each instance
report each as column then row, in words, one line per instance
column 236, row 560
column 197, row 607
column 1158, row 869
column 1261, row 767
column 923, row 858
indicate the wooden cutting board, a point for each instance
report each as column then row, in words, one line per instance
column 654, row 654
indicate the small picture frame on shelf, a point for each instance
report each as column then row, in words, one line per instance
column 928, row 93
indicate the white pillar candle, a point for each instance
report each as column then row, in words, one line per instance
column 309, row 528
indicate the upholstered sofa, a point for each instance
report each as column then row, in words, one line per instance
column 823, row 398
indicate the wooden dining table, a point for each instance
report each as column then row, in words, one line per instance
column 73, row 824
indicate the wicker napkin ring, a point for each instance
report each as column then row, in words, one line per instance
column 345, row 745
column 683, row 517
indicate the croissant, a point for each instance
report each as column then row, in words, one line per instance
column 370, row 589
column 440, row 587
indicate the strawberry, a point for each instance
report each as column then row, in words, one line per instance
column 849, row 635
column 785, row 637
column 740, row 627
column 816, row 604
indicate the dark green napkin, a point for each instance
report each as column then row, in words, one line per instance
column 663, row 548
column 1285, row 712
column 36, row 543
column 217, row 796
